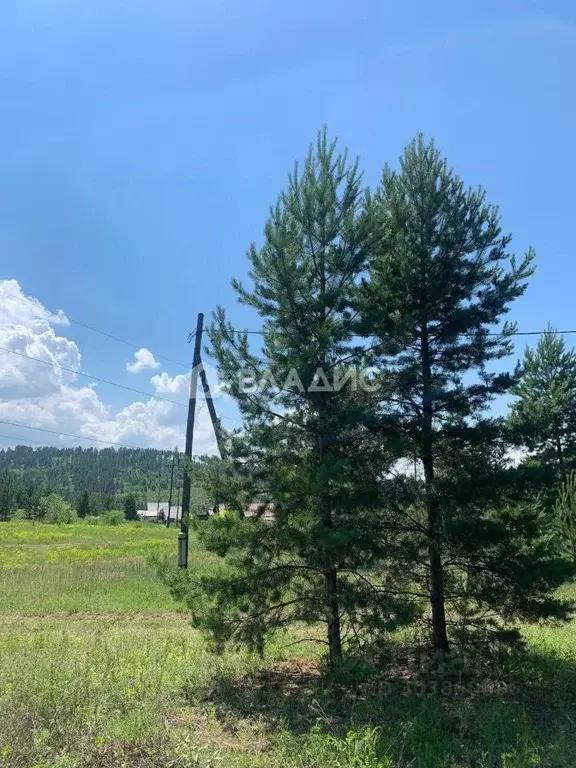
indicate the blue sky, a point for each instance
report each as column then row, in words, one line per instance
column 141, row 142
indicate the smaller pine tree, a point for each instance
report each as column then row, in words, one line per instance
column 7, row 495
column 565, row 519
column 130, row 508
column 543, row 419
column 84, row 505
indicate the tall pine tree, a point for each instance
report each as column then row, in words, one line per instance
column 308, row 448
column 441, row 279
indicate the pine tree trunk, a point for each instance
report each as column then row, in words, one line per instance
column 437, row 598
column 333, row 618
column 559, row 452
column 331, row 591
column 330, row 573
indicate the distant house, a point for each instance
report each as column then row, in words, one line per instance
column 159, row 511
column 265, row 511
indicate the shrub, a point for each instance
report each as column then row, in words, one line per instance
column 53, row 509
column 113, row 517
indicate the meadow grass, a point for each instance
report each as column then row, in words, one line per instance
column 120, row 585
column 99, row 668
column 48, row 569
column 72, row 568
column 24, row 545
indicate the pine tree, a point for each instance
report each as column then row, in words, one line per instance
column 130, row 508
column 544, row 417
column 8, row 494
column 221, row 481
column 84, row 505
column 307, row 449
column 565, row 518
column 440, row 280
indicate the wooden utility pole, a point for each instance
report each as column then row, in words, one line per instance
column 196, row 361
column 171, row 488
column 159, row 487
column 212, row 411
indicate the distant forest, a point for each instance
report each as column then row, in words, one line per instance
column 107, row 474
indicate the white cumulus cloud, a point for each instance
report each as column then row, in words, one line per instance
column 43, row 395
column 16, row 308
column 144, row 360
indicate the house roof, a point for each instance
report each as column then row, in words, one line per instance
column 266, row 511
column 154, row 511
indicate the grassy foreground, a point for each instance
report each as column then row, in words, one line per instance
column 99, row 667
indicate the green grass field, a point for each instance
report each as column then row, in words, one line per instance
column 99, row 667
column 48, row 569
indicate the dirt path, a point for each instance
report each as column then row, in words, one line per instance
column 89, row 616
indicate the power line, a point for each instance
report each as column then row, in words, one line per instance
column 230, row 418
column 533, row 333
column 516, row 333
column 67, row 434
column 25, row 299
column 191, row 336
column 93, row 378
column 70, row 435
column 256, row 333
column 103, row 381
column 26, row 440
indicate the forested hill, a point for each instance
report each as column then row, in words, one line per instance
column 71, row 471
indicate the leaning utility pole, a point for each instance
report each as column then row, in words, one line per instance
column 212, row 411
column 196, row 361
column 171, row 488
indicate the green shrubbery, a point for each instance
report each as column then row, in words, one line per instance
column 53, row 509
column 113, row 517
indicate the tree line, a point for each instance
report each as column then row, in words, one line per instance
column 91, row 480
column 370, row 405
column 45, row 506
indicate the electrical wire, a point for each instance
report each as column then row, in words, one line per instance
column 67, row 434
column 25, row 440
column 73, row 436
column 26, row 300
column 516, row 333
column 93, row 378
